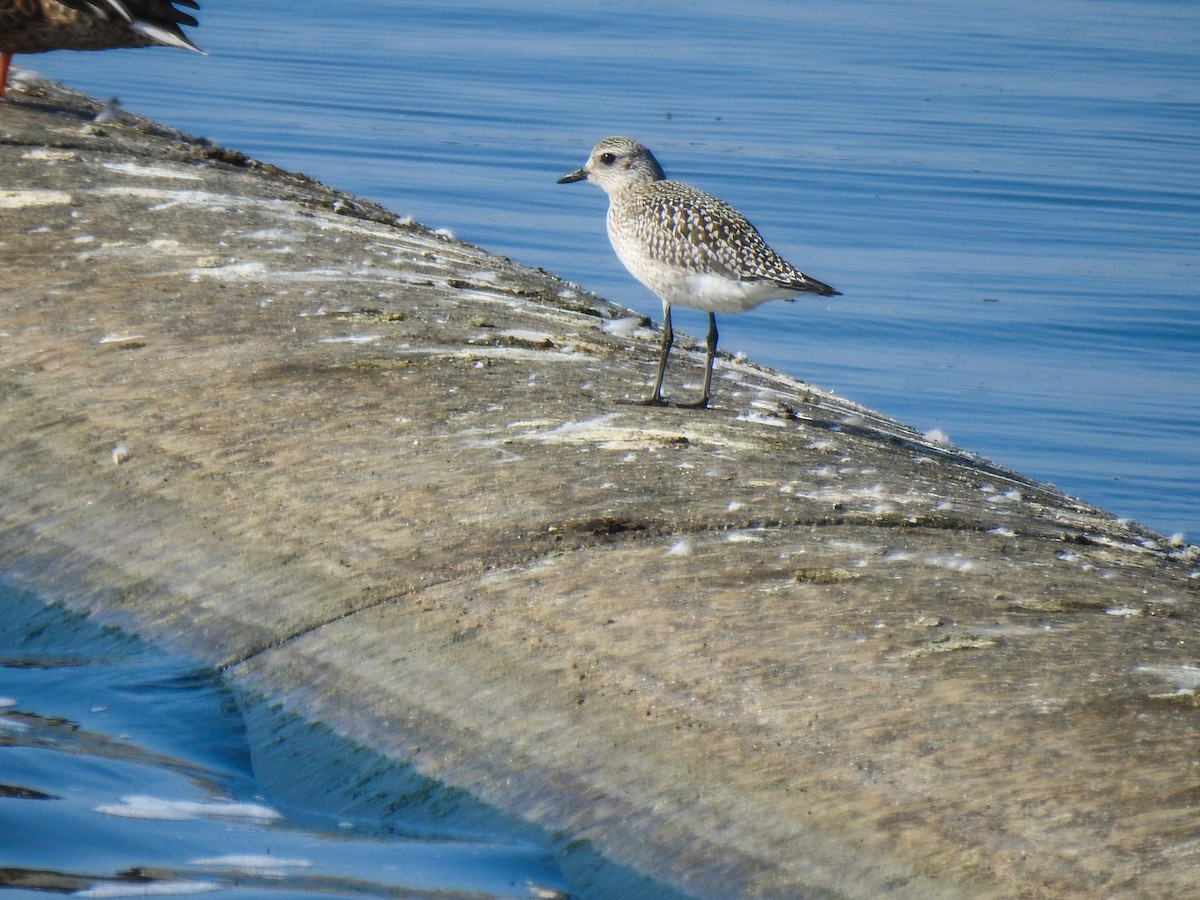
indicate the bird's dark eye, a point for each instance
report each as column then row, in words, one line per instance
column 608, row 158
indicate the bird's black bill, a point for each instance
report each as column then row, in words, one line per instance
column 577, row 175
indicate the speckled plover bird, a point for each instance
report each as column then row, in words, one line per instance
column 38, row 26
column 686, row 246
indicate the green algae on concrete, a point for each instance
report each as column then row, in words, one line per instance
column 785, row 647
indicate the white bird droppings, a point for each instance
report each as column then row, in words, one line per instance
column 23, row 199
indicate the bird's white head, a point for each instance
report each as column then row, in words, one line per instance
column 615, row 164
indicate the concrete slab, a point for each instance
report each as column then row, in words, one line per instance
column 785, row 647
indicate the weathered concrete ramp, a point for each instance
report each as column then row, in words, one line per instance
column 782, row 648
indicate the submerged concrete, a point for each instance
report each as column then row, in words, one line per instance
column 785, row 647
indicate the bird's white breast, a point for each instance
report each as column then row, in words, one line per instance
column 681, row 285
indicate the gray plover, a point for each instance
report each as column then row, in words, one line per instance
column 686, row 246
column 37, row 26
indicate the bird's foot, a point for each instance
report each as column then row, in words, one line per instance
column 652, row 400
column 657, row 400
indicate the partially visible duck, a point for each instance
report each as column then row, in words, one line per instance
column 36, row 26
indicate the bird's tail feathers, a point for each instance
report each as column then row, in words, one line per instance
column 806, row 284
column 164, row 36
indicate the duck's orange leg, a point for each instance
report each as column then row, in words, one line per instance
column 5, row 60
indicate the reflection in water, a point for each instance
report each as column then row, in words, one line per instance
column 125, row 772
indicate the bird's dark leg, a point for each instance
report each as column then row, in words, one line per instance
column 709, row 356
column 668, row 338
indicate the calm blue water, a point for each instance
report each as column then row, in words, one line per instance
column 115, row 757
column 1006, row 193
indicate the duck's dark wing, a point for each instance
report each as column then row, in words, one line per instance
column 157, row 19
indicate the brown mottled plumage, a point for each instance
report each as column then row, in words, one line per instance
column 38, row 26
